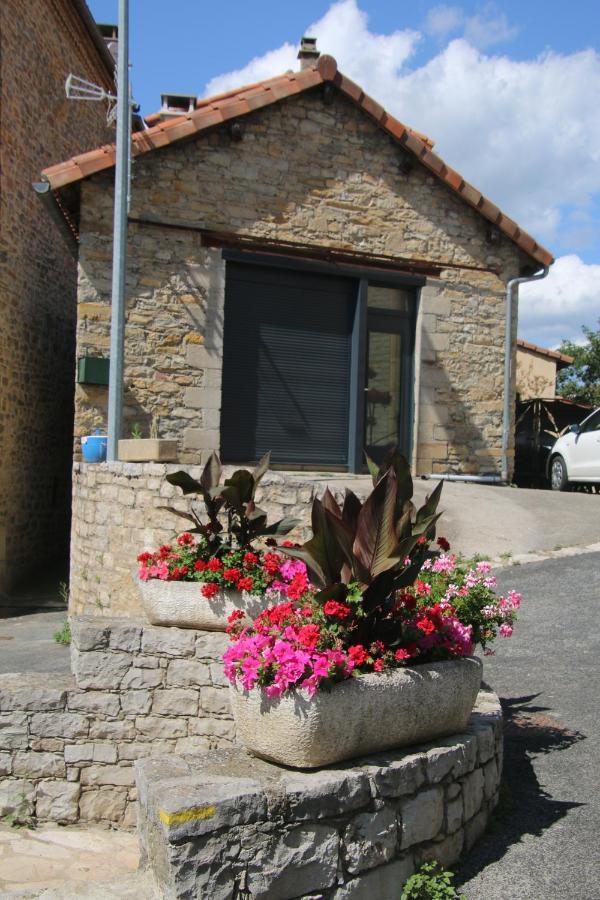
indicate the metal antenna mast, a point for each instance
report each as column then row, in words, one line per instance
column 80, row 89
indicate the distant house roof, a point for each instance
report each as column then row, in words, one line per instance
column 562, row 360
column 213, row 111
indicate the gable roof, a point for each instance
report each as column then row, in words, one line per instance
column 214, row 111
column 561, row 359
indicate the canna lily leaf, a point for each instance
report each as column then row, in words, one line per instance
column 211, row 474
column 260, row 470
column 375, row 534
column 331, row 504
column 184, row 481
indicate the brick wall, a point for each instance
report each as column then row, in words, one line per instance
column 41, row 42
column 313, row 173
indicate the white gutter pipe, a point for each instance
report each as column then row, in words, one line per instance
column 508, row 361
column 476, row 479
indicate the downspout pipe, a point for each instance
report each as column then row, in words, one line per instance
column 514, row 282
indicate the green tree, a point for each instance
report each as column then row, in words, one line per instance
column 581, row 381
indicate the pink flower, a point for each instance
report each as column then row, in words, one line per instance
column 505, row 630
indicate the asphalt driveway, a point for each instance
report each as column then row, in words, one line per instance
column 544, row 842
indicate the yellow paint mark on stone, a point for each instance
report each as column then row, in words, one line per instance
column 193, row 337
column 195, row 814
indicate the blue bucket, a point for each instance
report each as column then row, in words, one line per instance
column 93, row 447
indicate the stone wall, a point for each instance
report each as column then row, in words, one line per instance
column 228, row 825
column 312, row 173
column 116, row 515
column 68, row 744
column 41, row 42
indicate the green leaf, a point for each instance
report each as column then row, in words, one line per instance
column 243, row 482
column 373, row 468
column 431, row 503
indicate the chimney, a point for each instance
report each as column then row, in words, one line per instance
column 110, row 34
column 308, row 53
column 177, row 105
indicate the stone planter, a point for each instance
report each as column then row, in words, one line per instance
column 362, row 715
column 181, row 604
column 147, row 450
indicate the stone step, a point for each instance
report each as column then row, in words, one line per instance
column 228, row 824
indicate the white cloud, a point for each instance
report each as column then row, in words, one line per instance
column 527, row 133
column 443, row 20
column 556, row 307
column 481, row 30
column 488, row 27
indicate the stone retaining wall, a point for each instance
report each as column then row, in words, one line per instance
column 68, row 743
column 116, row 515
column 228, row 825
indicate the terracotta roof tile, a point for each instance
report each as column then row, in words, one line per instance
column 213, row 111
column 544, row 351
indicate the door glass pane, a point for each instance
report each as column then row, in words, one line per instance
column 382, row 397
column 396, row 299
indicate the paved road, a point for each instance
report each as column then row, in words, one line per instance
column 27, row 644
column 545, row 843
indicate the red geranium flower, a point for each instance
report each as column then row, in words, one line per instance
column 271, row 563
column 250, row 559
column 245, row 584
column 426, row 626
column 199, row 566
column 401, row 654
column 144, row 557
column 214, row 564
column 443, row 544
column 309, row 635
column 185, row 539
column 232, row 574
column 357, row 654
column 209, row 590
column 378, row 665
column 235, row 616
column 335, row 609
column 422, row 540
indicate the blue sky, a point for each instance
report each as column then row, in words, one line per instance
column 508, row 90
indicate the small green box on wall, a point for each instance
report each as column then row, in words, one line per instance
column 92, row 370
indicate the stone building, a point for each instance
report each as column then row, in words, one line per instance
column 537, row 368
column 305, row 275
column 42, row 41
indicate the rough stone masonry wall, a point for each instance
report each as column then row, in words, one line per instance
column 312, row 173
column 68, row 744
column 41, row 42
column 228, row 825
column 116, row 515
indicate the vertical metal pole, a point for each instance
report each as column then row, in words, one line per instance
column 117, row 321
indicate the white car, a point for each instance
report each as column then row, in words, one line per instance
column 575, row 457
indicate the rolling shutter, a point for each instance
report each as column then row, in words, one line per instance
column 286, row 365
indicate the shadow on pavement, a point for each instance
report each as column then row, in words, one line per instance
column 524, row 807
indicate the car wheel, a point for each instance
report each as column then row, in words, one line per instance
column 559, row 480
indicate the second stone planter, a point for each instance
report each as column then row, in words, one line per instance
column 368, row 714
column 181, row 604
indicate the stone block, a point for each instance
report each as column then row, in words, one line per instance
column 100, row 670
column 188, row 673
column 473, row 793
column 159, row 727
column 125, row 637
column 14, row 733
column 491, row 779
column 16, row 799
column 39, row 765
column 78, row 753
column 422, row 817
column 69, row 726
column 5, row 763
column 105, row 753
column 108, row 775
column 467, row 760
column 454, row 814
column 123, row 730
column 47, row 745
column 168, row 641
column 318, row 795
column 175, row 702
column 31, row 693
column 105, row 804
column 134, row 750
column 211, row 645
column 440, row 761
column 485, row 741
column 378, row 884
column 474, row 828
column 214, row 701
column 89, row 633
column 136, row 703
column 370, row 840
column 400, row 776
column 217, row 730
column 445, row 852
column 139, row 679
column 300, row 862
column 58, row 801
column 97, row 703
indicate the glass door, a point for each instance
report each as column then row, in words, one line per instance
column 388, row 376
